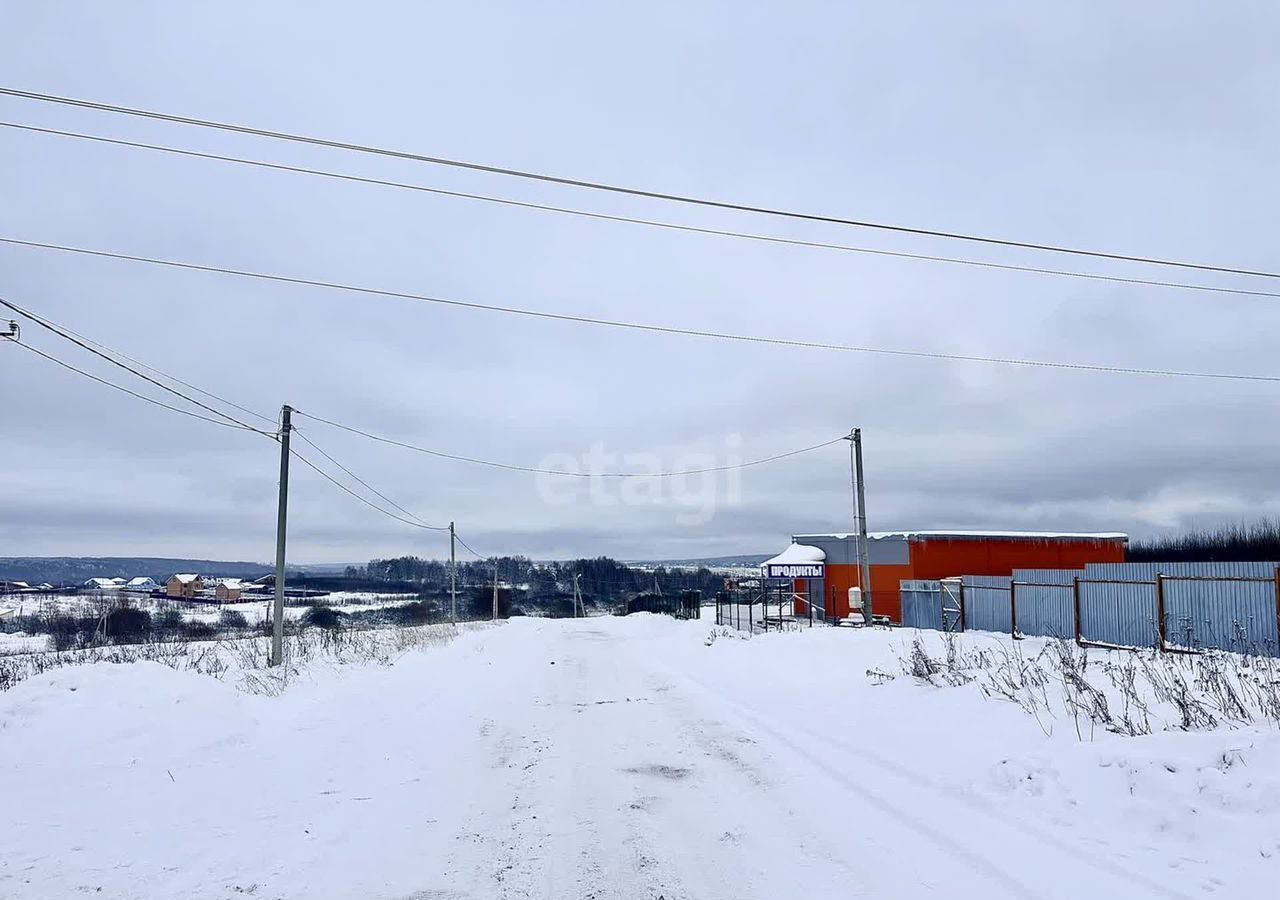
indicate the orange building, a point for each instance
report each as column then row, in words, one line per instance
column 896, row 556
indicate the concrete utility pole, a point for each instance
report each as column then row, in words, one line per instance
column 495, row 589
column 577, row 597
column 453, row 574
column 860, row 498
column 282, row 510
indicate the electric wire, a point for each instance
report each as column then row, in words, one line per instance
column 273, row 420
column 413, row 520
column 564, row 472
column 362, row 499
column 773, row 239
column 468, row 548
column 131, row 393
column 366, row 484
column 49, row 326
column 619, row 189
column 233, row 423
column 638, row 326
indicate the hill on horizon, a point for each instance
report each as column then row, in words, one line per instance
column 77, row 569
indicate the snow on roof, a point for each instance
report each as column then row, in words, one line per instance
column 232, row 583
column 186, row 579
column 797, row 554
column 953, row 533
column 142, row 579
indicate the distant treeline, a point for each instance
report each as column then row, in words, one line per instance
column 78, row 569
column 1255, row 542
column 602, row 580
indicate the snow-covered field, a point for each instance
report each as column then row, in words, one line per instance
column 616, row 758
column 255, row 611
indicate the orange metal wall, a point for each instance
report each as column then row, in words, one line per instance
column 884, row 589
column 945, row 557
column 934, row 558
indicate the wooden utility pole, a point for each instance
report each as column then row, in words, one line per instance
column 495, row 588
column 282, row 510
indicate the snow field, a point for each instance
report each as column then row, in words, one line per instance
column 614, row 758
column 254, row 611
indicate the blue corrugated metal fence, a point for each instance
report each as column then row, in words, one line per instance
column 922, row 604
column 1227, row 606
column 986, row 603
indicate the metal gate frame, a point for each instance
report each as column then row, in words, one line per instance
column 952, row 604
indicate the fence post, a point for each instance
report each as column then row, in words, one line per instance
column 1160, row 626
column 962, row 606
column 1278, row 610
column 1075, row 604
column 1013, row 609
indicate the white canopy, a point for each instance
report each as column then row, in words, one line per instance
column 797, row 554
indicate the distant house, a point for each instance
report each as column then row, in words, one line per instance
column 44, row 586
column 104, row 584
column 13, row 587
column 142, row 583
column 184, row 586
column 229, row 589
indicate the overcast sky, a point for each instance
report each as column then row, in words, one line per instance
column 1148, row 128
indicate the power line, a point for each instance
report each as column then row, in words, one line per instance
column 362, row 499
column 163, row 374
column 637, row 326
column 131, row 393
column 49, row 326
column 618, row 189
column 366, row 484
column 414, row 520
column 545, row 207
column 473, row 553
column 564, row 472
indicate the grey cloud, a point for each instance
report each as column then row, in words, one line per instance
column 1147, row 127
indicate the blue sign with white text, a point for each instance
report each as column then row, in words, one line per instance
column 795, row 570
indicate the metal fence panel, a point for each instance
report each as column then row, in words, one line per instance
column 1147, row 571
column 1118, row 613
column 1224, row 615
column 1048, row 576
column 1046, row 610
column 921, row 604
column 986, row 603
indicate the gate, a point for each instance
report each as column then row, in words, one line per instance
column 951, row 597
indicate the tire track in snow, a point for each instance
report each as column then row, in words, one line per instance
column 839, row 755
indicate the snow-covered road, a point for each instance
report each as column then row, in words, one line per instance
column 599, row 758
